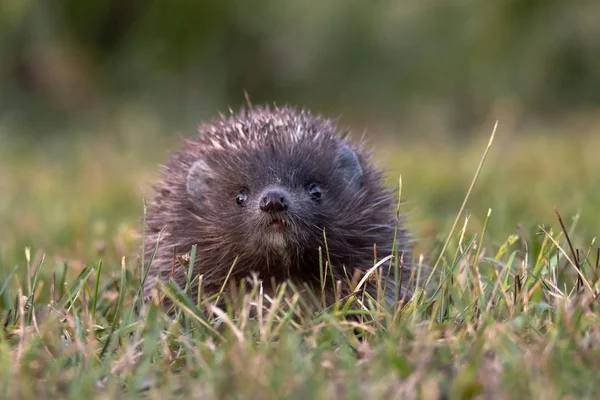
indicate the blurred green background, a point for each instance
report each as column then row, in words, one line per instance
column 450, row 64
column 94, row 93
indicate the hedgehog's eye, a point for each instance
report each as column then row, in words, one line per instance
column 241, row 198
column 314, row 191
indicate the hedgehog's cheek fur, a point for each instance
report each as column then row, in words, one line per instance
column 198, row 181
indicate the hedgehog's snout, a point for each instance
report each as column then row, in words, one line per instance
column 274, row 200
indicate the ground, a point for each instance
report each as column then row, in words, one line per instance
column 510, row 311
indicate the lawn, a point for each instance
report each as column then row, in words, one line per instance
column 510, row 310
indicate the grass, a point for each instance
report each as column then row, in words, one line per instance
column 512, row 311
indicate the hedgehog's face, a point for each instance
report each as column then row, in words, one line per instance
column 272, row 203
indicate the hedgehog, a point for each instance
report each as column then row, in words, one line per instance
column 277, row 194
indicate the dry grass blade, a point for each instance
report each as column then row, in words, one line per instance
column 464, row 203
column 585, row 281
column 225, row 318
column 574, row 253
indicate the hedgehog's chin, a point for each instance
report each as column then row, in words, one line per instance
column 275, row 235
column 275, row 239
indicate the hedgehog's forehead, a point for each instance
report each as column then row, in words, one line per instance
column 264, row 130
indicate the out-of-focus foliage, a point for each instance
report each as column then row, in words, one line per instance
column 449, row 64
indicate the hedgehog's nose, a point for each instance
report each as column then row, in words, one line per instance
column 273, row 201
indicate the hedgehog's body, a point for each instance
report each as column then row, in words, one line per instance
column 260, row 188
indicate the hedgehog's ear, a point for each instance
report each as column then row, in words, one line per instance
column 199, row 179
column 348, row 164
